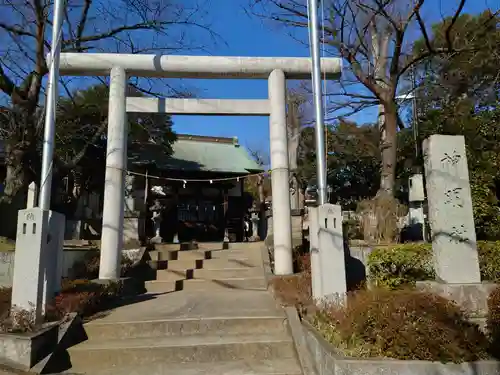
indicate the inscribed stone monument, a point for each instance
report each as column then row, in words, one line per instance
column 450, row 210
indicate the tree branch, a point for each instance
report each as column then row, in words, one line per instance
column 79, row 156
column 452, row 23
column 6, row 84
column 152, row 25
column 81, row 25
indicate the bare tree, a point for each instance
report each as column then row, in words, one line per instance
column 376, row 39
column 143, row 26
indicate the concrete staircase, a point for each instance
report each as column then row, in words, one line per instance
column 207, row 267
column 208, row 312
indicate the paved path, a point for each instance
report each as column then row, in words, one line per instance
column 214, row 326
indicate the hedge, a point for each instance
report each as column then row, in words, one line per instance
column 493, row 320
column 404, row 264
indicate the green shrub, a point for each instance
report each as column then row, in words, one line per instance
column 82, row 297
column 352, row 229
column 88, row 267
column 489, row 260
column 400, row 265
column 493, row 319
column 404, row 264
column 402, row 324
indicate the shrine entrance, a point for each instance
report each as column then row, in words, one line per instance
column 119, row 67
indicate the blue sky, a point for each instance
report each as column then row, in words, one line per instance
column 244, row 36
column 248, row 36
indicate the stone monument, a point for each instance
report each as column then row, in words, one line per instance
column 331, row 253
column 37, row 260
column 131, row 226
column 416, row 215
column 32, row 198
column 254, row 219
column 157, row 209
column 451, row 218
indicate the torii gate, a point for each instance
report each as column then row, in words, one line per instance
column 121, row 66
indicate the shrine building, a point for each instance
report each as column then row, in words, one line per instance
column 200, row 186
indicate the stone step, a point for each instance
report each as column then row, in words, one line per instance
column 210, row 274
column 250, row 283
column 203, row 254
column 197, row 246
column 228, row 273
column 98, row 354
column 179, row 255
column 206, row 264
column 287, row 366
column 97, row 330
column 173, row 275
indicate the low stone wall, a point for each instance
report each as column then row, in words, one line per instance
column 70, row 257
column 328, row 362
column 361, row 253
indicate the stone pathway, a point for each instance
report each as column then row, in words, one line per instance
column 208, row 312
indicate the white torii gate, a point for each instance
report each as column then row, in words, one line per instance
column 121, row 66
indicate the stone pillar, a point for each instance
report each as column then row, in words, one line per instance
column 114, row 185
column 37, row 260
column 331, row 253
column 131, row 217
column 314, row 249
column 282, row 225
column 255, row 224
column 416, row 207
column 73, row 230
column 129, row 194
column 226, row 206
column 157, row 209
column 32, row 198
column 450, row 210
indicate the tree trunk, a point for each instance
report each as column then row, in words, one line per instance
column 387, row 118
column 21, row 157
column 388, row 149
column 16, row 177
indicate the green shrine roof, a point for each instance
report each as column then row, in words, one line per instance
column 196, row 153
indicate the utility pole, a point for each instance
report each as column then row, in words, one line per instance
column 414, row 112
column 50, row 108
column 318, row 101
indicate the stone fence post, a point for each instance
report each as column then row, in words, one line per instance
column 331, row 253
